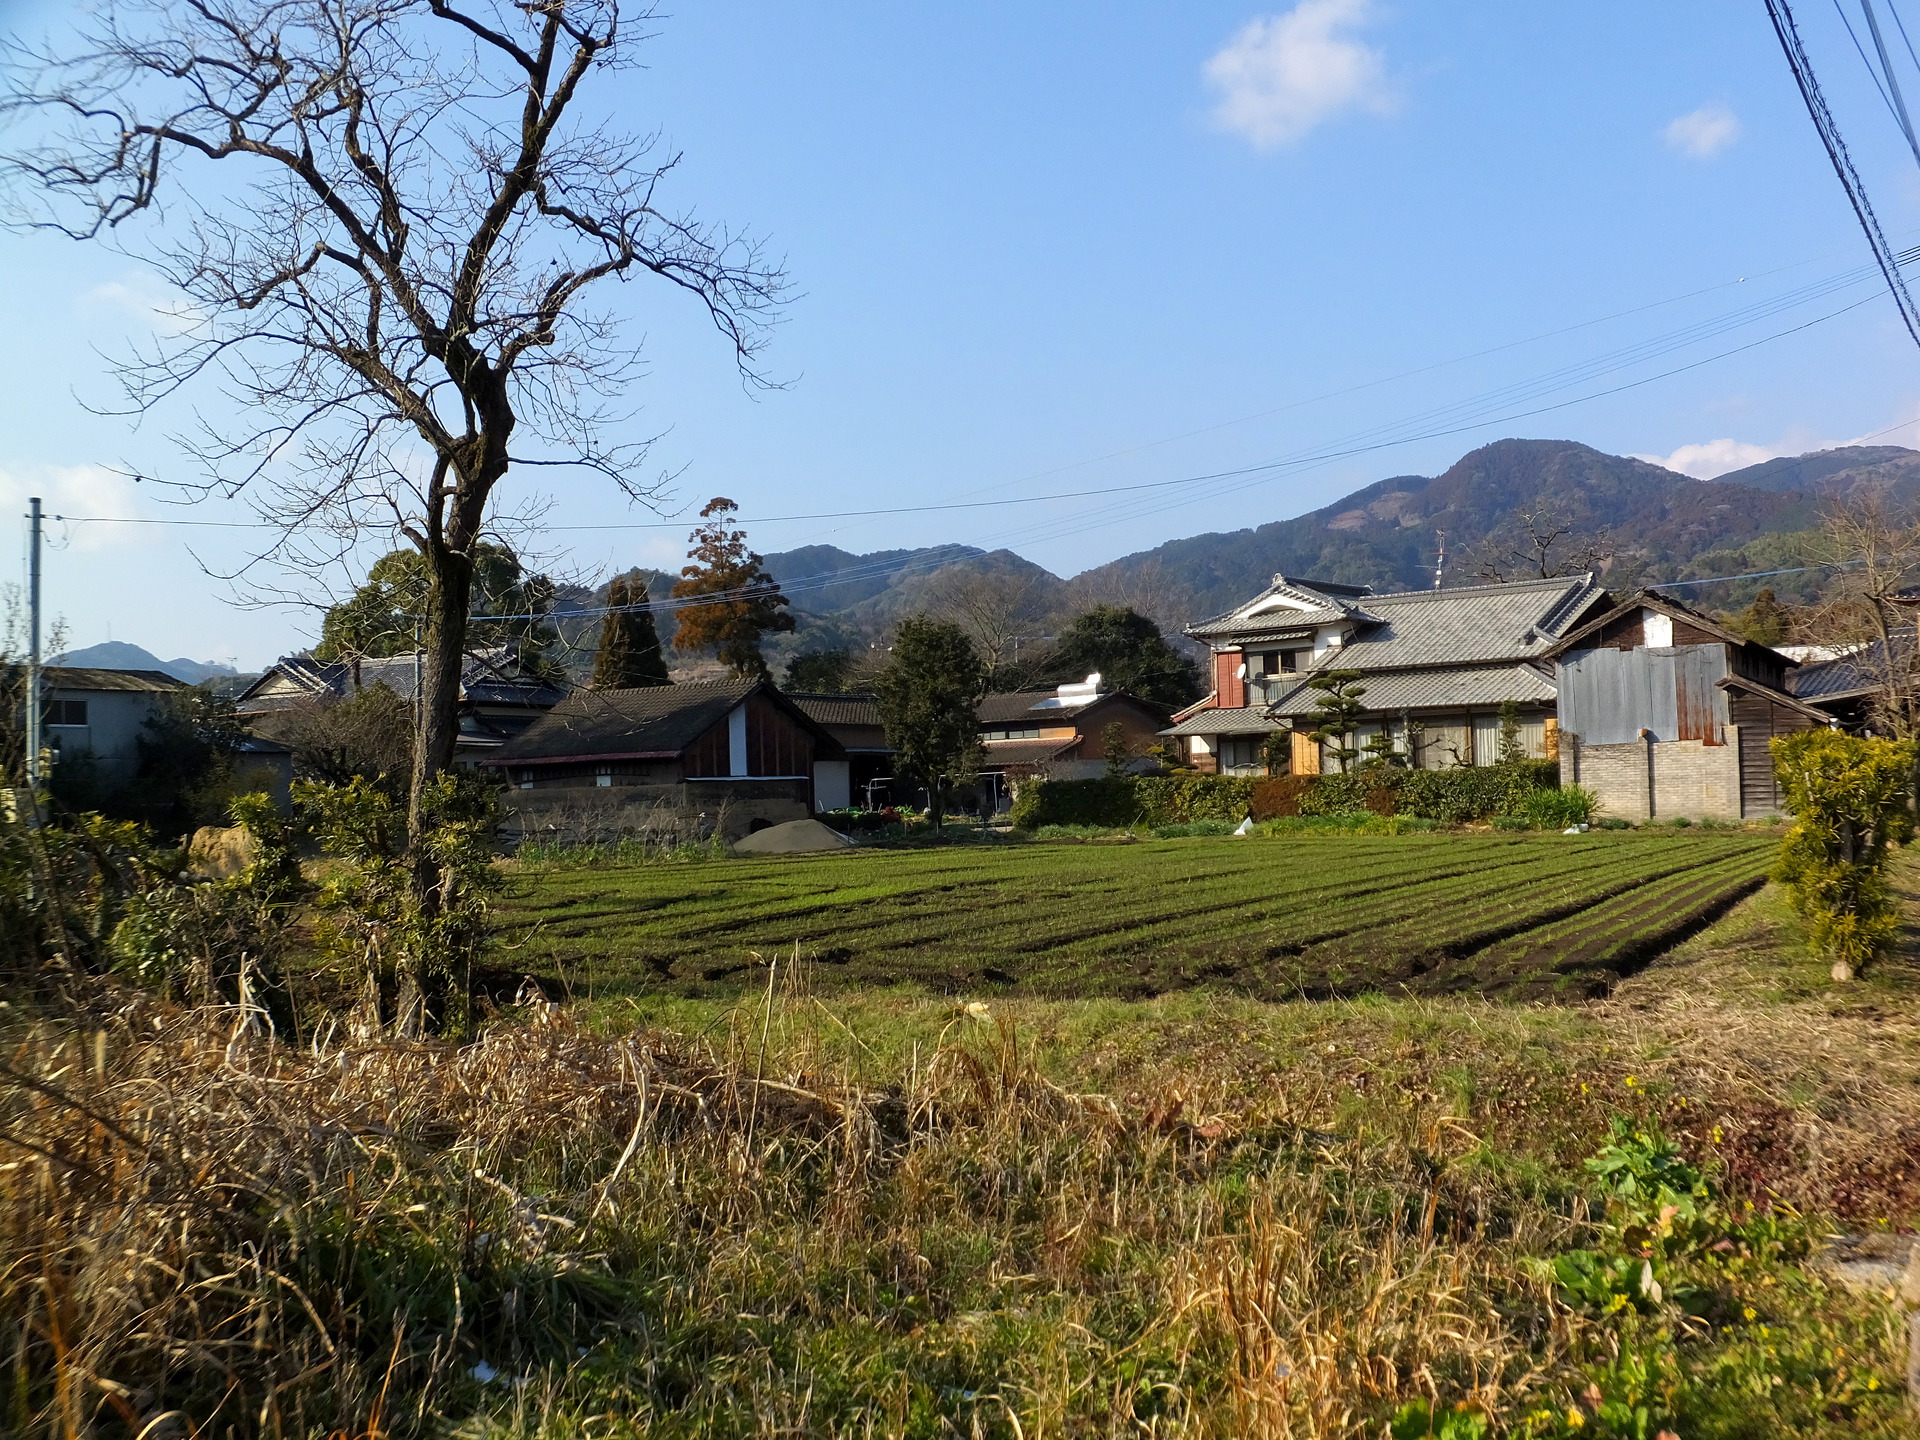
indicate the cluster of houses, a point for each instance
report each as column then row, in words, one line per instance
column 1658, row 708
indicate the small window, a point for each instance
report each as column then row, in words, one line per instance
column 603, row 775
column 66, row 712
column 525, row 779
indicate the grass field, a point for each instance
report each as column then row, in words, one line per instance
column 732, row 1210
column 1283, row 917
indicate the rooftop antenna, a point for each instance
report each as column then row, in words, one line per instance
column 1440, row 561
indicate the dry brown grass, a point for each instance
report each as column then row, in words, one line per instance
column 210, row 1233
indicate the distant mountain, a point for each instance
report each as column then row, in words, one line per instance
column 1660, row 525
column 1387, row 534
column 119, row 655
column 1838, row 471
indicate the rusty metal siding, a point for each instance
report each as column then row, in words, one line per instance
column 1608, row 696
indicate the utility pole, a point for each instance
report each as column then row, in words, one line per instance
column 34, row 777
column 1440, row 563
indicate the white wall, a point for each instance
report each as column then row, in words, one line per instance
column 832, row 784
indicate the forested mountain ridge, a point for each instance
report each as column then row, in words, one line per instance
column 1387, row 534
column 1655, row 523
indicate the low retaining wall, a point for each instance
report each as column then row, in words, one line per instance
column 1658, row 779
column 670, row 814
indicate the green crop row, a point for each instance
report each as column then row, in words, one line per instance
column 1095, row 919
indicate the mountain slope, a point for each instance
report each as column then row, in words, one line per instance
column 119, row 655
column 1839, row 471
column 1387, row 534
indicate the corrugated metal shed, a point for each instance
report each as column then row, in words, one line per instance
column 1608, row 696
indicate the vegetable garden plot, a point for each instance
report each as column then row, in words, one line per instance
column 1275, row 916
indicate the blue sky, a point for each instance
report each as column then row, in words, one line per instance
column 1079, row 247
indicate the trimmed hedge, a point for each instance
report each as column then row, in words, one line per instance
column 1448, row 796
column 1184, row 798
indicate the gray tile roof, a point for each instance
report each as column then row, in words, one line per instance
column 1326, row 604
column 1273, row 623
column 660, row 720
column 83, row 677
column 1468, row 624
column 1023, row 705
column 845, row 710
column 1432, row 690
column 1849, row 675
column 487, row 677
column 1248, row 720
column 995, row 753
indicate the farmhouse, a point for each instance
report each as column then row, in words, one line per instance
column 864, row 778
column 1437, row 667
column 1665, row 712
column 688, row 760
column 96, row 716
column 1060, row 734
column 498, row 698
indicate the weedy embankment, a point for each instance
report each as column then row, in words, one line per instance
column 785, row 1219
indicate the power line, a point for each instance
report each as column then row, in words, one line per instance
column 1789, row 35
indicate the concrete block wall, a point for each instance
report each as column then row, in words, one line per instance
column 1667, row 778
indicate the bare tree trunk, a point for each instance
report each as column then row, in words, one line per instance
column 449, row 594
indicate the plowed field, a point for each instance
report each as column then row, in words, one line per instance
column 1275, row 917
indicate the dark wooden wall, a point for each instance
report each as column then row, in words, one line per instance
column 776, row 743
column 708, row 755
column 1760, row 719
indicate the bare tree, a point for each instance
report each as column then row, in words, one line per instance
column 385, row 217
column 1869, row 604
column 1542, row 542
column 999, row 611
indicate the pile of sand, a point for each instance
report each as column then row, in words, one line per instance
column 796, row 837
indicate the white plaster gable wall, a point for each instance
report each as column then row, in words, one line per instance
column 1326, row 640
column 737, row 740
column 1658, row 628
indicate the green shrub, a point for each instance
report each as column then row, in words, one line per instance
column 1108, row 804
column 1183, row 799
column 1559, row 809
column 1471, row 792
column 1613, row 822
column 1196, row 827
column 1848, row 797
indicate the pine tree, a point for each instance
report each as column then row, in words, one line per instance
column 1766, row 621
column 928, row 696
column 731, row 627
column 629, row 655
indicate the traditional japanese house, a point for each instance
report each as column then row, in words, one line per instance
column 690, row 760
column 498, row 699
column 1436, row 667
column 1060, row 734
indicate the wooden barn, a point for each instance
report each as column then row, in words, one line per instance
column 729, row 757
column 1664, row 712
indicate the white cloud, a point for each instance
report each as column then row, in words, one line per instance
column 74, row 490
column 1715, row 457
column 1284, row 74
column 1705, row 132
column 165, row 310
